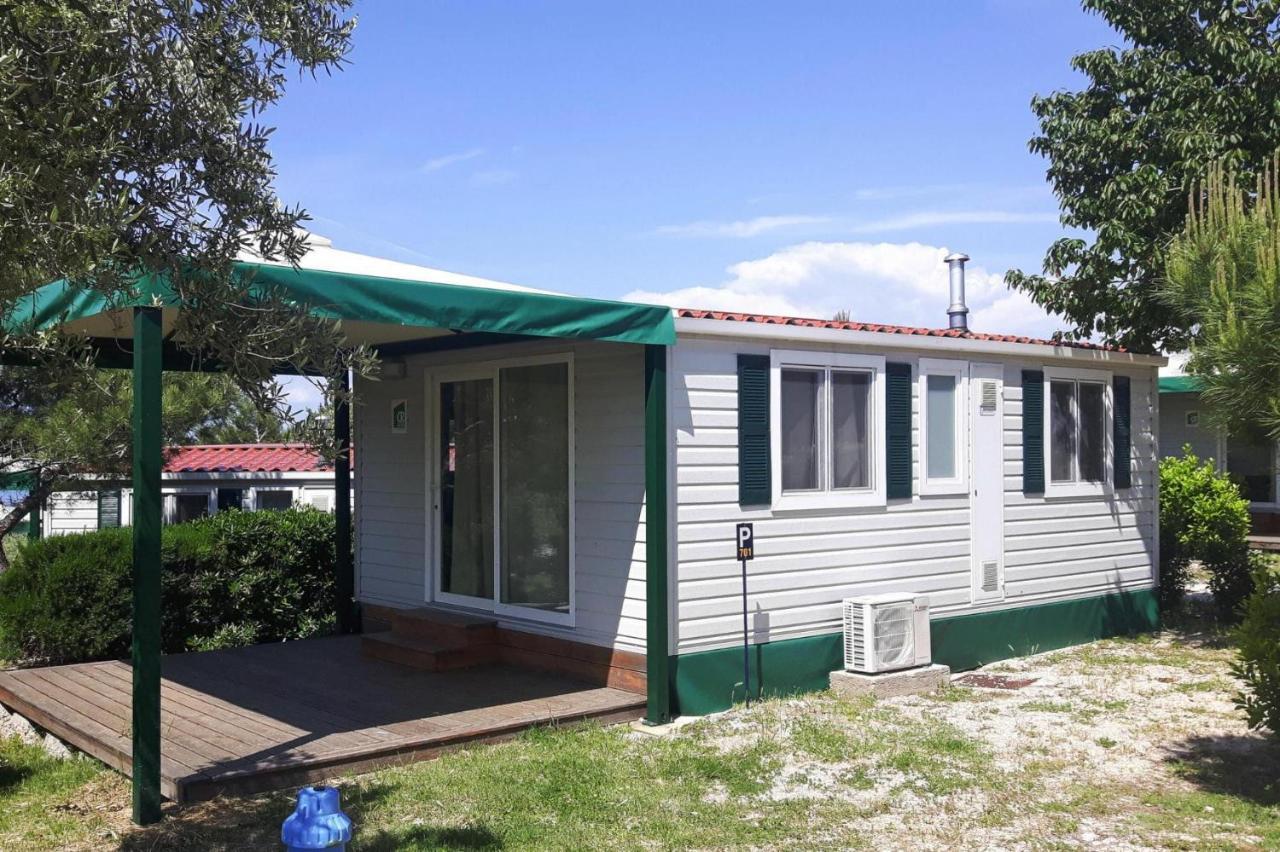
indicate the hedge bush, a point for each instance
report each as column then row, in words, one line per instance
column 1203, row 517
column 233, row 579
column 1259, row 639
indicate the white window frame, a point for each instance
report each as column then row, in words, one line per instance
column 958, row 484
column 258, row 489
column 825, row 497
column 1077, row 488
column 169, row 502
column 492, row 369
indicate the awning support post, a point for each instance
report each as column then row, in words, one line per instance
column 147, row 460
column 657, row 662
column 343, row 562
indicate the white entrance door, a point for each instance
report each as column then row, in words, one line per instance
column 986, row 474
column 503, row 464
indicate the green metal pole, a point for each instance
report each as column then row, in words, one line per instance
column 346, row 577
column 35, row 523
column 147, row 452
column 657, row 661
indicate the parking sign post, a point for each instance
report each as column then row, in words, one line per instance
column 746, row 552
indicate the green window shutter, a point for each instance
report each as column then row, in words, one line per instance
column 108, row 509
column 1032, row 432
column 897, row 431
column 1123, row 432
column 755, row 472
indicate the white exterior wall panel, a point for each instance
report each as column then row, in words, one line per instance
column 807, row 561
column 394, row 532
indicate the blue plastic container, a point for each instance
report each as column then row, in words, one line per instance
column 317, row 822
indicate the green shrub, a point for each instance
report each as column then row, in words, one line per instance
column 233, row 579
column 1203, row 517
column 1259, row 639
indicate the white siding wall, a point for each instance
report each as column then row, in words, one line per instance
column 392, row 534
column 807, row 562
column 1175, row 433
column 70, row 512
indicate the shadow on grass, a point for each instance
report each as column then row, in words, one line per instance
column 425, row 837
column 11, row 776
column 1196, row 623
column 254, row 823
column 1246, row 767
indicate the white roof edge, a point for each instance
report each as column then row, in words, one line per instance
column 323, row 257
column 886, row 340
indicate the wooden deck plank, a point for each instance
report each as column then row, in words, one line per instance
column 266, row 690
column 226, row 740
column 252, row 719
column 176, row 743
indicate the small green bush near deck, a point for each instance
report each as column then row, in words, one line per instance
column 1203, row 517
column 233, row 579
column 1259, row 663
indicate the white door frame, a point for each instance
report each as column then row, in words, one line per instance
column 491, row 370
column 986, row 475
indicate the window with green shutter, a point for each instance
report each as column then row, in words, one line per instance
column 1032, row 432
column 827, row 429
column 1122, row 432
column 108, row 508
column 755, row 472
column 897, row 431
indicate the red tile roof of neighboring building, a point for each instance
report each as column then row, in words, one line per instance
column 244, row 458
column 730, row 316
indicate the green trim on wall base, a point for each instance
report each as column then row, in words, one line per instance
column 708, row 681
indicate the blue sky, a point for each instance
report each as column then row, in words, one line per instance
column 801, row 156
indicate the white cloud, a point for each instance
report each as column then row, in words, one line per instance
column 898, row 283
column 302, row 393
column 929, row 218
column 447, row 160
column 744, row 228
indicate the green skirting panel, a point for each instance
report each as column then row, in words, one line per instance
column 708, row 681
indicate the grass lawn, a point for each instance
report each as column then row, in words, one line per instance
column 1132, row 741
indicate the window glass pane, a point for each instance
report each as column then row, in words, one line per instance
column 850, row 422
column 1062, row 434
column 274, row 501
column 466, row 488
column 800, row 406
column 230, row 498
column 533, row 448
column 1092, row 440
column 189, row 507
column 1249, row 466
column 940, row 440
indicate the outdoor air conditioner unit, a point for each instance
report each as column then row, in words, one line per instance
column 883, row 633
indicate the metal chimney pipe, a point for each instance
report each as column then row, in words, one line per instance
column 958, row 313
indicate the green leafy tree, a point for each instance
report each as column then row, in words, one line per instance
column 1194, row 83
column 60, row 432
column 1223, row 283
column 133, row 143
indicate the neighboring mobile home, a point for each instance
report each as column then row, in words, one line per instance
column 200, row 480
column 1253, row 462
column 1011, row 480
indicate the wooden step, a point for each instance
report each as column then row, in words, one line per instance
column 425, row 654
column 449, row 628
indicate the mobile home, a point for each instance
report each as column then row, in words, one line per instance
column 1012, row 481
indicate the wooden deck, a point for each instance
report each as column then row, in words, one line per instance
column 252, row 719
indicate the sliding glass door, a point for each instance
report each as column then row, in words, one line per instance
column 504, row 466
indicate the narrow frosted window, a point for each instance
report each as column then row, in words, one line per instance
column 850, row 430
column 801, row 419
column 941, row 438
column 1092, row 432
column 1062, row 426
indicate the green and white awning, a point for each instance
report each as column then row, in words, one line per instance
column 374, row 310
